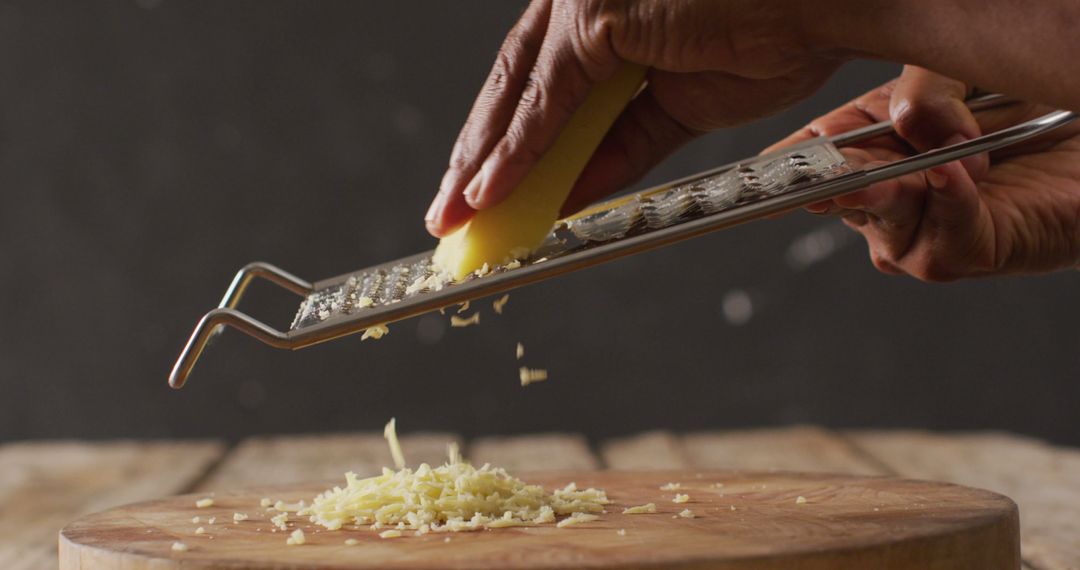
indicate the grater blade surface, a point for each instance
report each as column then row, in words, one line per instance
column 371, row 290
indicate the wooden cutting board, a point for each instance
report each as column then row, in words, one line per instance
column 744, row 521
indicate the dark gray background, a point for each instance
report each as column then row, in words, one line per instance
column 149, row 149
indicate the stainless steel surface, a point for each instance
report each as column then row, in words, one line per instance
column 979, row 103
column 686, row 208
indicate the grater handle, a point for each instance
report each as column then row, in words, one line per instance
column 985, row 143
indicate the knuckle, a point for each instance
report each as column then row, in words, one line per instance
column 501, row 73
column 916, row 115
column 933, row 269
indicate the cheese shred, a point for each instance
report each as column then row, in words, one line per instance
column 376, row 332
column 530, row 375
column 499, row 303
column 390, row 433
column 456, row 321
column 640, row 510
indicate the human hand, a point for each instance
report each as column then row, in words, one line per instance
column 1014, row 211
column 714, row 63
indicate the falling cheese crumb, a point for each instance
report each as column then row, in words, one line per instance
column 265, row 502
column 575, row 519
column 204, row 503
column 179, row 547
column 680, row 498
column 200, row 530
column 393, row 533
column 671, row 487
column 687, row 514
column 351, row 542
column 390, row 433
column 376, row 332
column 296, row 538
column 530, row 375
column 238, row 517
column 464, row 307
column 640, row 510
column 800, row 500
column 499, row 303
column 520, row 351
column 456, row 321
column 453, row 451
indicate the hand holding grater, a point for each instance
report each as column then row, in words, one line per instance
column 732, row 194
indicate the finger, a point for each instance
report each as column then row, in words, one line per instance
column 640, row 138
column 867, row 109
column 557, row 85
column 929, row 112
column 954, row 231
column 489, row 116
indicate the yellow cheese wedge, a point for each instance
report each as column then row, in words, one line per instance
column 518, row 225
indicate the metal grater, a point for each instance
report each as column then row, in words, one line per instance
column 722, row 197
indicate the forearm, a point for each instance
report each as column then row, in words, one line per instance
column 1024, row 49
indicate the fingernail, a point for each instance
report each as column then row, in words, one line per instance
column 972, row 164
column 936, row 178
column 432, row 209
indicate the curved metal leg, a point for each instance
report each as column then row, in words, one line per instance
column 221, row 317
column 267, row 271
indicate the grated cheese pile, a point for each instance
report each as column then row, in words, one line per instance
column 453, row 497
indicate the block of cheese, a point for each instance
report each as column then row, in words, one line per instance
column 518, row 225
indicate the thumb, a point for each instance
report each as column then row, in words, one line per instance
column 928, row 112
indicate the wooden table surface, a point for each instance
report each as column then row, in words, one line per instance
column 43, row 485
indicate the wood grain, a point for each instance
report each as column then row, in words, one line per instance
column 846, row 523
column 43, row 485
column 538, row 452
column 1044, row 480
column 281, row 460
column 801, row 448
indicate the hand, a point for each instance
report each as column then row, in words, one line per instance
column 714, row 63
column 1015, row 211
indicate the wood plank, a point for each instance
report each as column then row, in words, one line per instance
column 536, row 452
column 799, row 448
column 278, row 460
column 647, row 451
column 44, row 485
column 845, row 523
column 1044, row 480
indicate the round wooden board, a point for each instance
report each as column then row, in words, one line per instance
column 744, row 521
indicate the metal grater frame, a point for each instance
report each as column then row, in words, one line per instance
column 732, row 194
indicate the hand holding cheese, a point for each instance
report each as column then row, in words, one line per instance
column 518, row 224
column 712, row 64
